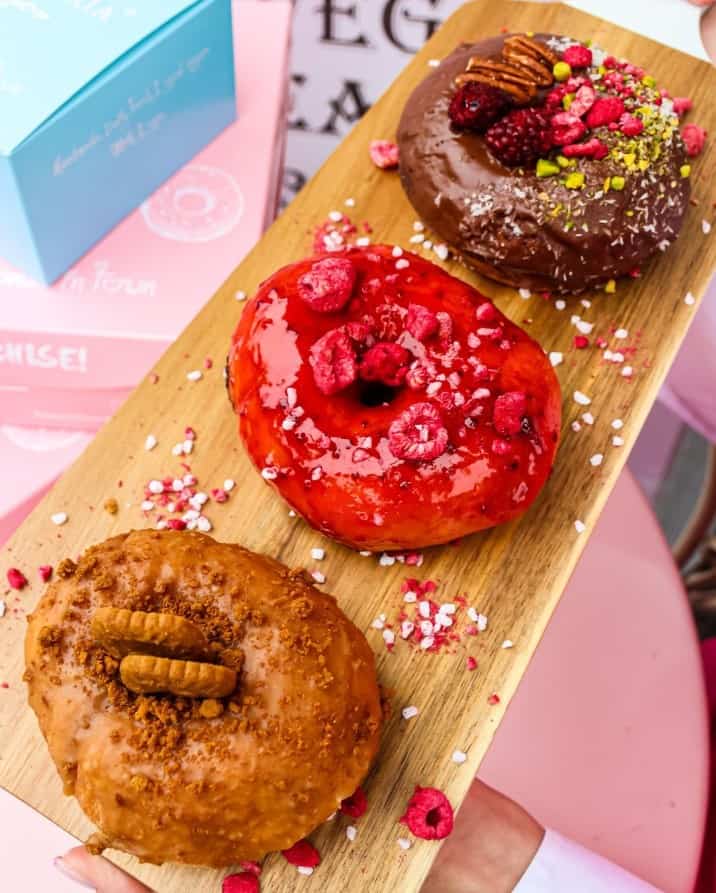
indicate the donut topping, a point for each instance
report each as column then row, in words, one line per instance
column 476, row 106
column 333, row 360
column 521, row 137
column 328, row 285
column 418, row 434
column 386, row 362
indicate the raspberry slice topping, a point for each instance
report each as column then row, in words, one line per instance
column 583, row 101
column 386, row 362
column 477, row 106
column 421, row 323
column 303, row 854
column 567, row 129
column 356, row 805
column 429, row 814
column 334, row 362
column 418, row 435
column 578, row 56
column 384, row 154
column 509, row 411
column 593, row 148
column 694, row 138
column 328, row 285
column 682, row 105
column 246, row 882
column 16, row 578
column 630, row 125
column 605, row 111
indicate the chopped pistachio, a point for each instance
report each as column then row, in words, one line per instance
column 618, row 183
column 574, row 181
column 547, row 168
column 610, row 287
column 685, row 170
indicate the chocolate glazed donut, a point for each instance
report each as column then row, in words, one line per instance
column 503, row 220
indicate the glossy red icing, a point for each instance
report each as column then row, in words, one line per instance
column 330, row 457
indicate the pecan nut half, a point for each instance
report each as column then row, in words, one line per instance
column 535, row 49
column 508, row 78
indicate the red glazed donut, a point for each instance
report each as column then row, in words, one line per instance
column 391, row 405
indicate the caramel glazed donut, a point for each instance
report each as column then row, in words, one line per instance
column 545, row 185
column 203, row 780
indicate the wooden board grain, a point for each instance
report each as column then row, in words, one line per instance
column 515, row 575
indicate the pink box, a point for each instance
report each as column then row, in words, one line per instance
column 70, row 353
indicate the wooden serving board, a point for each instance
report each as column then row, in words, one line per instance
column 514, row 575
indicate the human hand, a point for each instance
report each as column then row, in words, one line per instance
column 96, row 873
column 492, row 845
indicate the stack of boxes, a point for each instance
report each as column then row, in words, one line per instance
column 114, row 231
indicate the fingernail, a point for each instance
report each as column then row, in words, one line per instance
column 65, row 869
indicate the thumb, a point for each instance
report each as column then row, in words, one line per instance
column 97, row 873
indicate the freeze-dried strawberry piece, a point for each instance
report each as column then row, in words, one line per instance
column 578, row 56
column 583, row 101
column 356, row 805
column 694, row 138
column 509, row 411
column 593, row 148
column 422, row 322
column 328, row 285
column 604, row 111
column 16, row 578
column 386, row 362
column 630, row 125
column 682, row 105
column 303, row 854
column 566, row 129
column 388, row 322
column 334, row 362
column 384, row 154
column 418, row 434
column 429, row 814
column 45, row 572
column 246, row 882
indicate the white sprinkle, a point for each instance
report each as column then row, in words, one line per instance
column 587, row 418
column 581, row 398
column 155, row 487
column 191, row 515
column 269, row 474
column 363, row 242
column 410, row 597
column 379, row 622
column 335, row 216
column 426, row 643
column 585, row 327
column 525, row 293
column 560, row 304
column 59, row 518
column 448, row 608
column 424, row 609
column 350, row 203
column 203, row 524
column 576, row 426
column 240, row 295
column 617, row 424
column 304, row 870
column 585, row 303
column 397, row 251
column 402, row 264
column 459, row 757
column 407, row 628
column 187, row 447
column 388, row 636
column 351, row 833
column 621, row 333
column 597, row 459
column 556, row 358
column 318, row 554
column 508, row 643
column 410, row 712
column 291, row 513
column 627, row 371
column 427, row 244
column 417, row 239
column 617, row 441
column 386, row 560
column 365, row 553
column 178, row 449
column 426, row 628
column 229, row 485
column 433, row 63
column 3, row 608
column 147, row 505
column 690, row 300
column 150, row 442
column 580, row 526
column 177, row 485
column 404, row 843
column 318, row 576
column 162, row 525
column 706, row 227
column 198, row 499
column 441, row 251
column 419, row 226
column 195, row 375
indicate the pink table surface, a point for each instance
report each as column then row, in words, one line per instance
column 606, row 739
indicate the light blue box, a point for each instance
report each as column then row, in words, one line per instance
column 100, row 102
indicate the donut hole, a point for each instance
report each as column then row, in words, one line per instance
column 375, row 393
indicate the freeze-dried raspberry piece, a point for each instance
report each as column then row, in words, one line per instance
column 429, row 814
column 45, row 572
column 334, row 362
column 422, row 322
column 303, row 854
column 604, row 111
column 566, row 129
column 356, row 805
column 420, row 374
column 682, row 105
column 593, row 148
column 694, row 138
column 555, row 97
column 16, row 578
column 509, row 411
column 328, row 285
column 388, row 322
column 630, row 125
column 477, row 106
column 583, row 101
column 578, row 56
column 246, row 882
column 386, row 362
column 360, row 332
column 418, row 434
column 384, row 154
